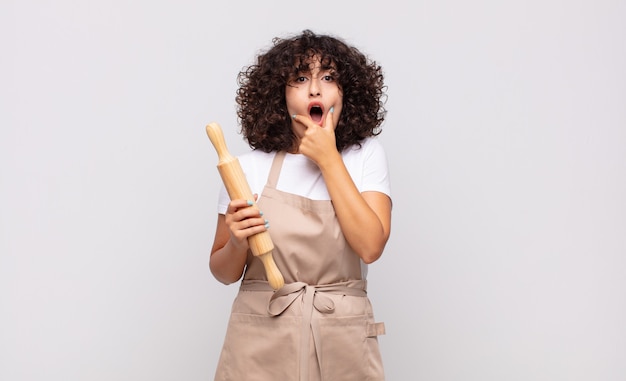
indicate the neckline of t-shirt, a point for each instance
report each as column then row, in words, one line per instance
column 297, row 158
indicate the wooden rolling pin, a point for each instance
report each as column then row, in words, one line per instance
column 237, row 187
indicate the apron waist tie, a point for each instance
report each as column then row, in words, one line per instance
column 312, row 297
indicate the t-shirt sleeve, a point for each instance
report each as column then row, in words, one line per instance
column 375, row 169
column 222, row 200
column 255, row 166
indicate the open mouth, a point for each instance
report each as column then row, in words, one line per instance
column 316, row 112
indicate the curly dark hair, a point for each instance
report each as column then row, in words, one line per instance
column 261, row 103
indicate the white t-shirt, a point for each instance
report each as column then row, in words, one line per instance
column 299, row 175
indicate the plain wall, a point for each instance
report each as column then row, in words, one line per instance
column 506, row 137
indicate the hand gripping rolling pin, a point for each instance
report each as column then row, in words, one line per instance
column 237, row 187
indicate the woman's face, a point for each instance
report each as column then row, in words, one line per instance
column 313, row 93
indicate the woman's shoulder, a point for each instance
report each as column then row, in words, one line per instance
column 373, row 143
column 256, row 164
column 368, row 146
column 255, row 156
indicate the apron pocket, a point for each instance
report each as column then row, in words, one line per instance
column 348, row 352
column 259, row 348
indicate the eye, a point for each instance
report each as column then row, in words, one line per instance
column 297, row 80
column 328, row 78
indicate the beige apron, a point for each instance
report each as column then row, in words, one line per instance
column 320, row 325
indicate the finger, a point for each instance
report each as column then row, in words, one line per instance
column 250, row 222
column 252, row 230
column 329, row 122
column 306, row 121
column 248, row 227
column 247, row 214
column 235, row 205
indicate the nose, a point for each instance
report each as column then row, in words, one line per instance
column 314, row 87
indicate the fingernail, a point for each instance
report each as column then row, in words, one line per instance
column 293, row 116
column 267, row 224
column 260, row 212
column 250, row 203
column 332, row 109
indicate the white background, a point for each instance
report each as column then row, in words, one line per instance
column 506, row 136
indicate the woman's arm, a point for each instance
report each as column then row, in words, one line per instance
column 365, row 218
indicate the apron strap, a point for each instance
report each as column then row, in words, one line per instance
column 277, row 163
